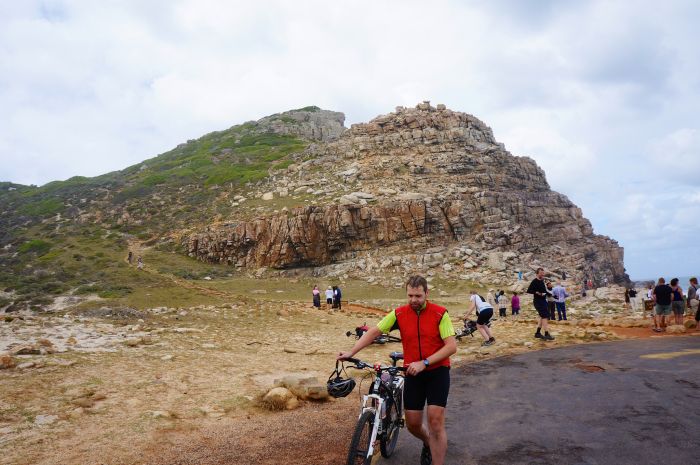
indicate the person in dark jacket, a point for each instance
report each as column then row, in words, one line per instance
column 539, row 291
column 337, row 296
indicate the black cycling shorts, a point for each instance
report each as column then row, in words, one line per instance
column 542, row 308
column 430, row 385
column 484, row 316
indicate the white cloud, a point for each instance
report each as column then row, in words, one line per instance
column 597, row 92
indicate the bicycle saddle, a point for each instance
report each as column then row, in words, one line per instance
column 396, row 356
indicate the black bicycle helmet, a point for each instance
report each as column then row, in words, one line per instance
column 337, row 385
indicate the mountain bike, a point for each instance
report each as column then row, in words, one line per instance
column 381, row 415
column 381, row 339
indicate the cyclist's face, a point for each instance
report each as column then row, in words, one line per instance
column 416, row 297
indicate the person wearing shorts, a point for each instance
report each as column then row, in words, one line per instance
column 428, row 340
column 539, row 291
column 484, row 313
column 677, row 302
column 662, row 296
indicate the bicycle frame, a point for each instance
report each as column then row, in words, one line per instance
column 377, row 406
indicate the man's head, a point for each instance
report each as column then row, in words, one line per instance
column 540, row 273
column 662, row 281
column 416, row 291
column 693, row 281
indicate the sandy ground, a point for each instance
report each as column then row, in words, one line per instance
column 180, row 386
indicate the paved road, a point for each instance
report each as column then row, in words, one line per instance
column 594, row 404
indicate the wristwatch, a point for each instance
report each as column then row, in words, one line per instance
column 426, row 362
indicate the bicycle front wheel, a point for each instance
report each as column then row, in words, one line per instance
column 359, row 446
column 392, row 422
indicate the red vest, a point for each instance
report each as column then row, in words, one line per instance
column 420, row 333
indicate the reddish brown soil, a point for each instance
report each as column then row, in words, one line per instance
column 317, row 434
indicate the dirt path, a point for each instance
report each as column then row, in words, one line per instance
column 137, row 248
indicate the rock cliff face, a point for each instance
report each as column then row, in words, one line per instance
column 310, row 123
column 416, row 189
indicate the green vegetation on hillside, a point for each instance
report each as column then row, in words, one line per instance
column 72, row 235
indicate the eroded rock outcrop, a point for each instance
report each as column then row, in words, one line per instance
column 408, row 181
column 310, row 123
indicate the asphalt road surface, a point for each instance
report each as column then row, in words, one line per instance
column 632, row 402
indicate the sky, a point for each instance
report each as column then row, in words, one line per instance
column 605, row 96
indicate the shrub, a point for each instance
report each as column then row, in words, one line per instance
column 44, row 207
column 36, row 246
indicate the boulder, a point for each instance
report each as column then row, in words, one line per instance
column 675, row 329
column 6, row 362
column 26, row 350
column 42, row 420
column 268, row 196
column 304, row 387
column 280, row 398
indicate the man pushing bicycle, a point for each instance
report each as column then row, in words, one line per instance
column 428, row 340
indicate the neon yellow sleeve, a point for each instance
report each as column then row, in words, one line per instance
column 388, row 322
column 446, row 328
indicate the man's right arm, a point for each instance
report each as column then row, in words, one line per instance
column 384, row 326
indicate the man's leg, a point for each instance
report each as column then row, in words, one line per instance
column 438, row 435
column 483, row 331
column 563, row 310
column 414, row 423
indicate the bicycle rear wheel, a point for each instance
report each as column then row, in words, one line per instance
column 359, row 446
column 392, row 426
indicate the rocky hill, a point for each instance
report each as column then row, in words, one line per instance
column 421, row 189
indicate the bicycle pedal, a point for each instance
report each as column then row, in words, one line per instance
column 402, row 423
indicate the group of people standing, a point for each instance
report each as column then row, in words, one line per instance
column 333, row 297
column 670, row 303
column 500, row 300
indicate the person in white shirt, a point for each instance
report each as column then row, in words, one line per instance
column 484, row 313
column 329, row 296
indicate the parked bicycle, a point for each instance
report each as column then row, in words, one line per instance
column 381, row 339
column 381, row 414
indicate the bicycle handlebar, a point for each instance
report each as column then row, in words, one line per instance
column 359, row 364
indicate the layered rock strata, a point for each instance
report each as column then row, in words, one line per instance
column 415, row 179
